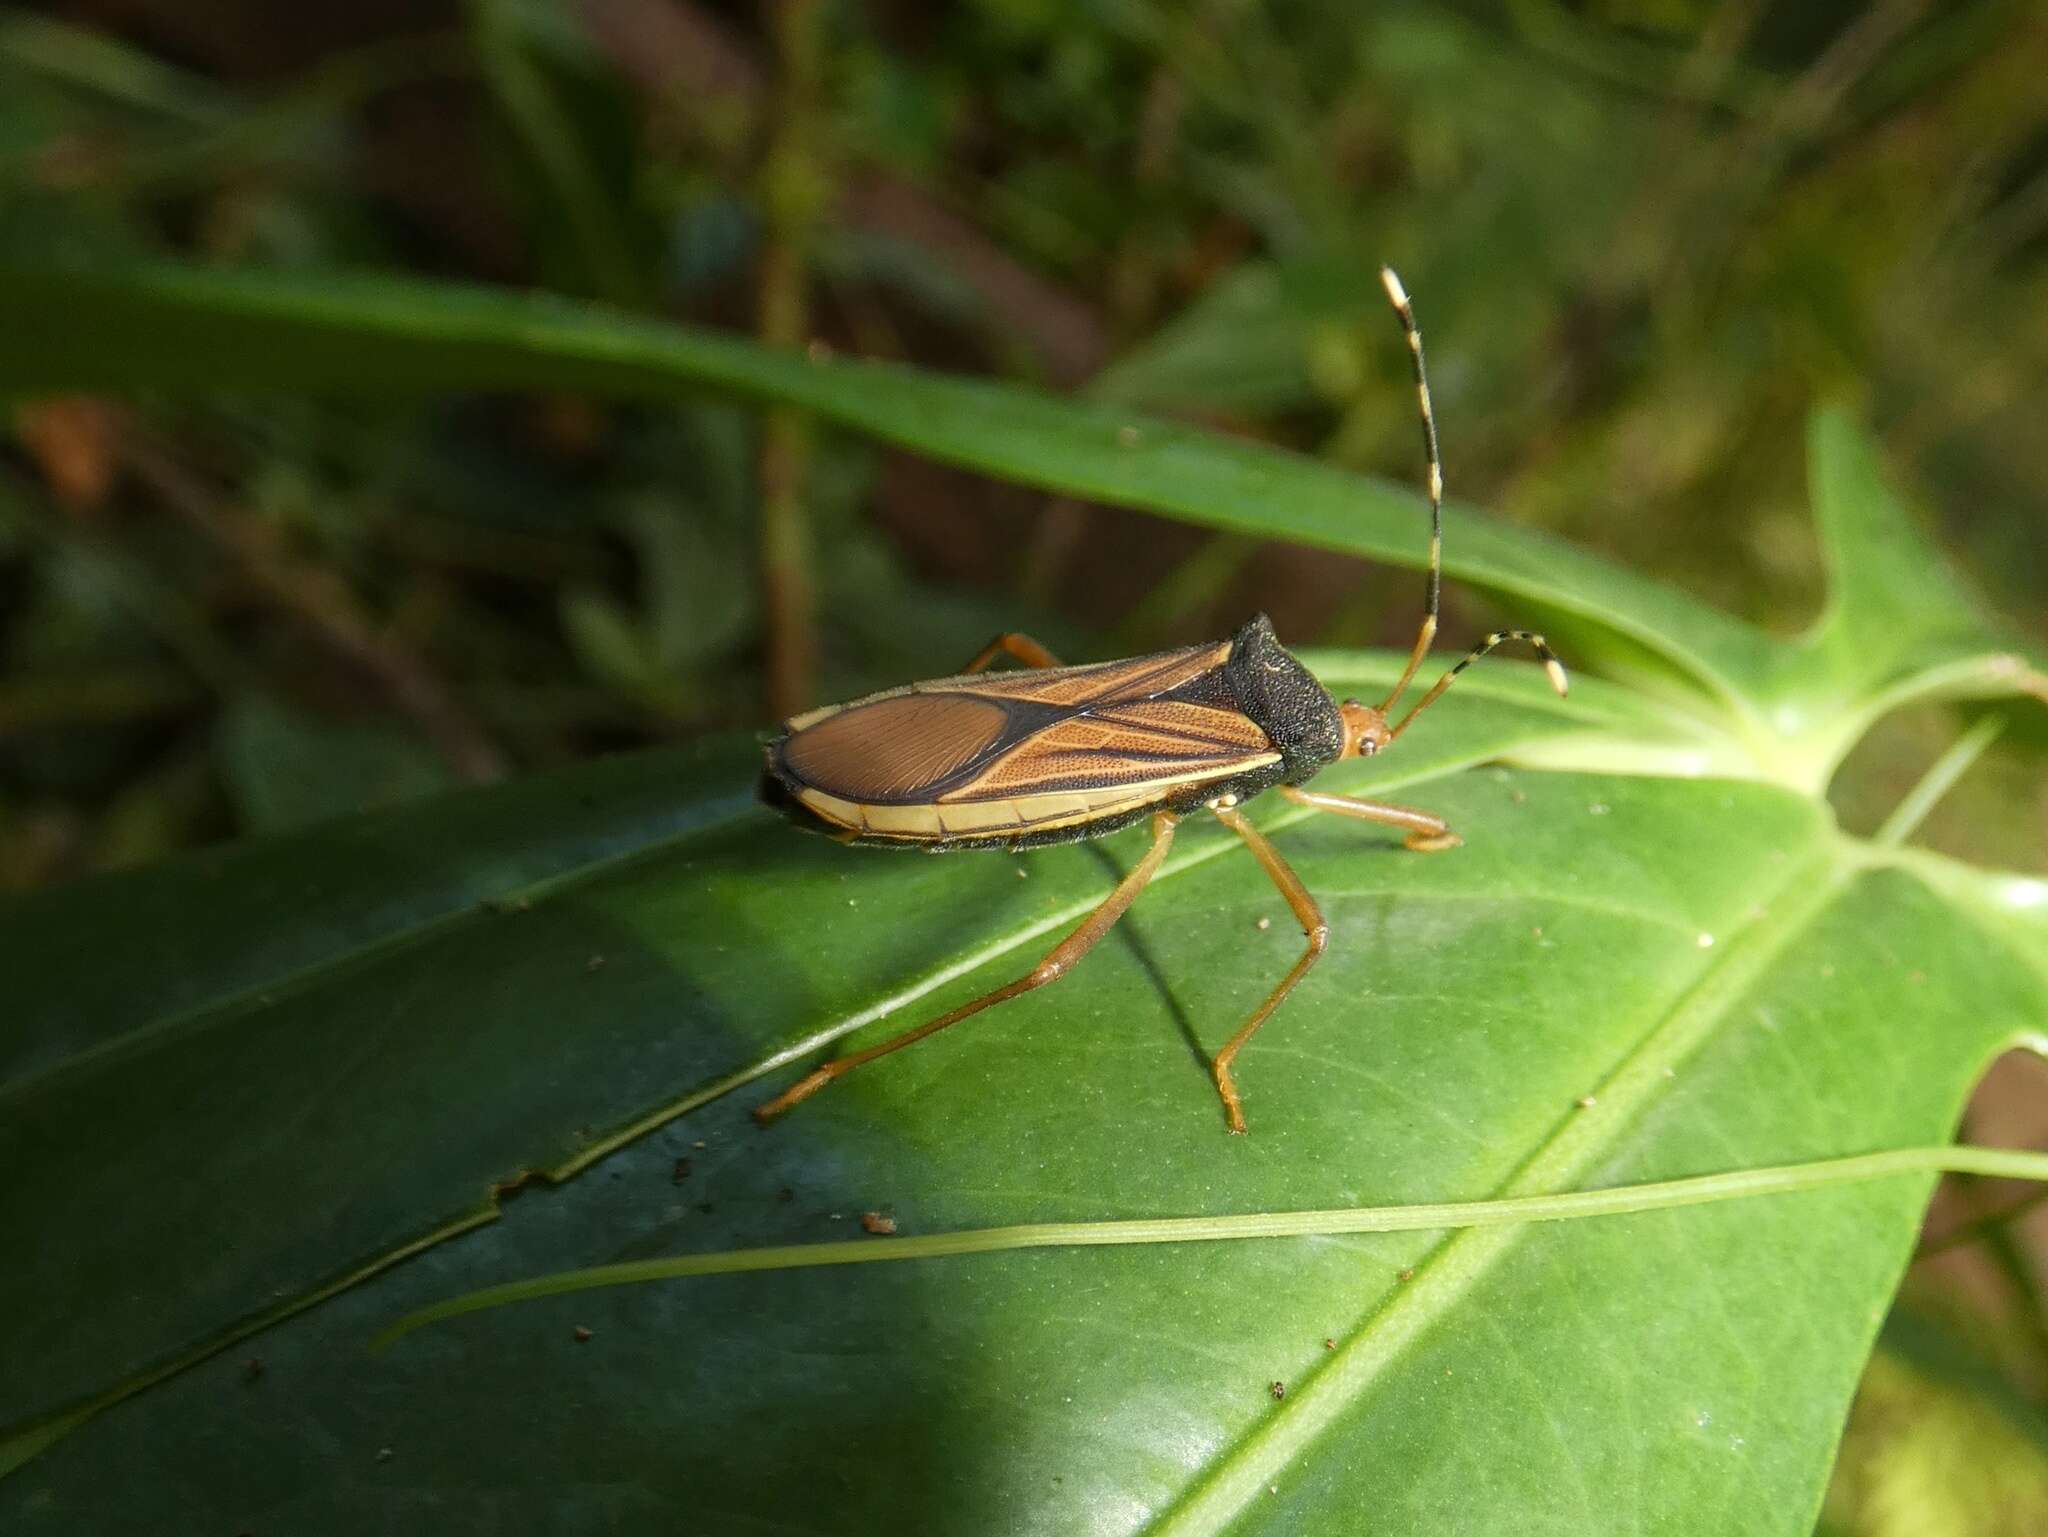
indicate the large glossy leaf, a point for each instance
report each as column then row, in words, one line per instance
column 1471, row 1006
column 188, row 329
column 242, row 1085
column 245, row 974
column 1900, row 623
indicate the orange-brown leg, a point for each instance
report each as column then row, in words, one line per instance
column 1427, row 834
column 1058, row 961
column 1015, row 645
column 1313, row 928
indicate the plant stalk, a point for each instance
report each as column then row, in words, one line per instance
column 792, row 193
column 1781, row 1179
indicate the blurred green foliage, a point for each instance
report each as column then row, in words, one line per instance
column 1645, row 236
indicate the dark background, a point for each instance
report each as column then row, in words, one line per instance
column 1645, row 237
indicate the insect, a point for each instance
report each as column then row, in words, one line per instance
column 1056, row 754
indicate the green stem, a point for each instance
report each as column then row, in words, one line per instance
column 791, row 197
column 1907, row 816
column 1778, row 1180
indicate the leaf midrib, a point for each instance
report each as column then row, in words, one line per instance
column 1239, row 1476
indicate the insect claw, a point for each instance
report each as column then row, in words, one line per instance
column 795, row 1094
column 1233, row 1107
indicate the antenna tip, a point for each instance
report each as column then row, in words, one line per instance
column 1390, row 280
column 1558, row 680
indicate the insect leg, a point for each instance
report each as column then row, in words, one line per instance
column 1313, row 928
column 1012, row 643
column 1058, row 961
column 1427, row 833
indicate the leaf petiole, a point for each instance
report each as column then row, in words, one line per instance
column 1939, row 779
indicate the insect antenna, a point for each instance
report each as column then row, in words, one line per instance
column 1552, row 667
column 1397, row 295
column 1433, row 596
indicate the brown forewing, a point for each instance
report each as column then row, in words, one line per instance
column 1120, row 744
column 895, row 748
column 978, row 738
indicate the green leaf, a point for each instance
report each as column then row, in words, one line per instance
column 607, row 641
column 1470, row 1004
column 186, row 330
column 1900, row 624
column 57, row 51
column 1796, row 710
column 1924, row 1411
column 284, row 768
column 236, row 1089
column 1243, row 344
column 245, row 974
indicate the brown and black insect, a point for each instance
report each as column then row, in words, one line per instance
column 1057, row 754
